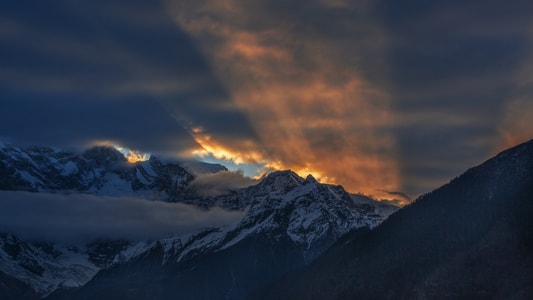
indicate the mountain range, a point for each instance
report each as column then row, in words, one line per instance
column 287, row 222
column 297, row 238
column 99, row 170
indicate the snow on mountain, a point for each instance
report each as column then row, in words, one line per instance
column 281, row 207
column 99, row 170
column 311, row 214
column 47, row 267
column 289, row 221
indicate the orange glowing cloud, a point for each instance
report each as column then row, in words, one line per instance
column 210, row 146
column 131, row 155
column 312, row 110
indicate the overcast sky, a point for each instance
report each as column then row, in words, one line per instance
column 374, row 95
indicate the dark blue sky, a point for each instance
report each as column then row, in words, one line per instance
column 374, row 95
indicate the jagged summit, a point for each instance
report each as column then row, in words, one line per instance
column 285, row 175
column 279, row 182
column 310, row 179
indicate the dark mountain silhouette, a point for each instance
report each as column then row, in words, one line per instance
column 12, row 288
column 470, row 239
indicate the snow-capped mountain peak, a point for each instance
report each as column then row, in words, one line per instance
column 310, row 179
column 279, row 182
column 100, row 170
column 283, row 209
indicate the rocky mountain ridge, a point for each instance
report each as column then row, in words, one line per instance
column 299, row 217
column 99, row 170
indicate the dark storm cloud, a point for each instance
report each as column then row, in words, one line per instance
column 299, row 73
column 374, row 95
column 409, row 93
column 74, row 120
column 82, row 218
column 106, row 70
column 453, row 70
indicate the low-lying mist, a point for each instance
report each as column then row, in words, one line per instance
column 220, row 183
column 76, row 218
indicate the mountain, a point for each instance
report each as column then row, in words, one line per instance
column 44, row 267
column 100, row 170
column 288, row 222
column 470, row 239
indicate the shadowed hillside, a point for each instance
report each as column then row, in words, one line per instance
column 471, row 238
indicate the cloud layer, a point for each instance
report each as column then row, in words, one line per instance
column 75, row 73
column 313, row 108
column 220, row 183
column 82, row 218
column 454, row 71
column 373, row 95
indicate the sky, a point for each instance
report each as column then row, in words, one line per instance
column 384, row 97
